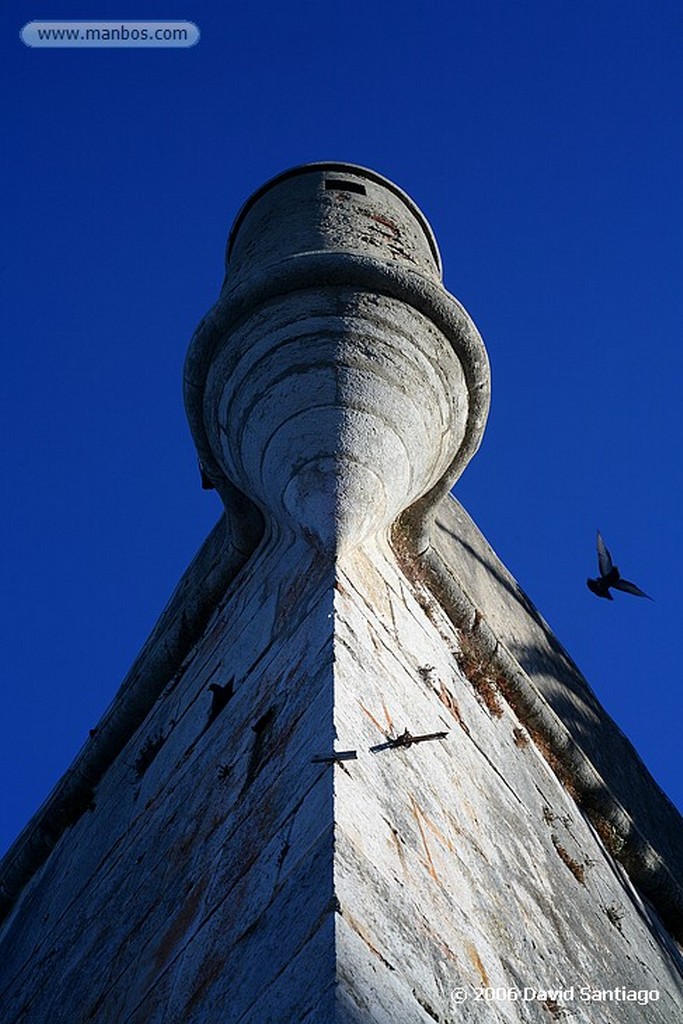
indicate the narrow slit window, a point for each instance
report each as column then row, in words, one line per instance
column 345, row 186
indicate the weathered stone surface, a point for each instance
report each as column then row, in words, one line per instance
column 200, row 894
column 522, row 630
column 225, row 826
column 205, row 859
column 463, row 863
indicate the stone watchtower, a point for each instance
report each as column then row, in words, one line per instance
column 352, row 776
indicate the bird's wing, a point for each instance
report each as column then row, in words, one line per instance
column 605, row 563
column 630, row 588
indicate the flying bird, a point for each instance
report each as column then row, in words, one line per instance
column 610, row 576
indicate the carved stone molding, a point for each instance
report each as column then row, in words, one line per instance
column 335, row 384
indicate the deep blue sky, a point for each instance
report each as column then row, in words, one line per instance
column 542, row 140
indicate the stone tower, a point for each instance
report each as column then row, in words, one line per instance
column 352, row 776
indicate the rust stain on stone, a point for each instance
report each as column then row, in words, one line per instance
column 209, row 972
column 436, row 831
column 375, row 642
column 180, row 924
column 477, row 964
column 182, row 848
column 292, row 674
column 372, row 719
column 398, row 844
column 449, row 701
column 288, row 599
column 361, row 933
column 395, row 233
column 390, row 724
column 577, row 869
column 375, row 590
column 429, row 862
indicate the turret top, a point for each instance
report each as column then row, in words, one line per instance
column 335, row 385
column 330, row 207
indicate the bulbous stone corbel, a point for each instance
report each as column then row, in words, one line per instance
column 336, row 385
